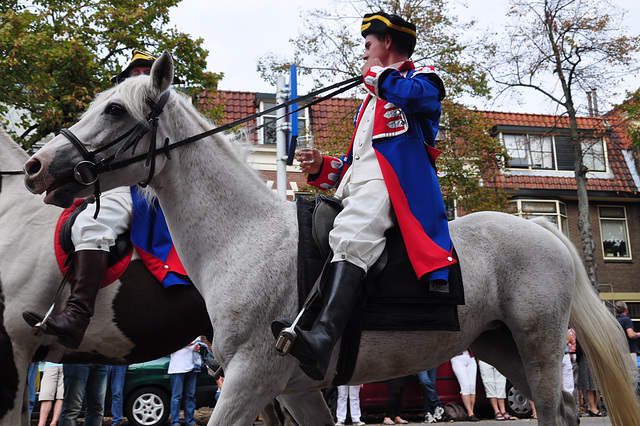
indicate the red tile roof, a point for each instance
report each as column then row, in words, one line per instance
column 618, row 180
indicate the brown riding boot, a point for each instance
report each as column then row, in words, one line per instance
column 70, row 325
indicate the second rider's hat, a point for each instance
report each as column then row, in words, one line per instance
column 139, row 59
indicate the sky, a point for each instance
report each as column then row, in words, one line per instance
column 237, row 33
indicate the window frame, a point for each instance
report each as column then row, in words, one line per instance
column 588, row 153
column 265, row 104
column 561, row 221
column 624, row 219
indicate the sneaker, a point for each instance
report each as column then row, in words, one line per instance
column 438, row 413
column 428, row 418
column 340, row 424
column 359, row 423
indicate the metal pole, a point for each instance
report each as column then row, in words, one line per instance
column 281, row 138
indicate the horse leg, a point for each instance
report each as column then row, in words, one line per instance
column 307, row 408
column 530, row 373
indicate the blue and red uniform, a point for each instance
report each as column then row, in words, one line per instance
column 407, row 114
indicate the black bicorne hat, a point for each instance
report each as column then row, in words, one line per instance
column 138, row 59
column 403, row 32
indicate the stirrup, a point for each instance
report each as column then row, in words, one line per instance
column 287, row 337
column 41, row 327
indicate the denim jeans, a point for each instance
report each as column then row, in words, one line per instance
column 183, row 384
column 88, row 381
column 31, row 380
column 116, row 378
column 428, row 381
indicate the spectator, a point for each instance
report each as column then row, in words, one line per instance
column 587, row 384
column 88, row 382
column 534, row 414
column 465, row 368
column 183, row 369
column 116, row 375
column 622, row 315
column 495, row 385
column 351, row 393
column 433, row 409
column 571, row 343
column 394, row 402
column 51, row 393
column 567, row 369
column 32, row 374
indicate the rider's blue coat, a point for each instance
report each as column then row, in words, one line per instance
column 405, row 127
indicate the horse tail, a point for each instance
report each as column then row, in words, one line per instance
column 603, row 342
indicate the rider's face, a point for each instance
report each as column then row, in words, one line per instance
column 375, row 48
column 139, row 71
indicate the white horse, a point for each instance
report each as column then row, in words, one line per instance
column 238, row 241
column 135, row 320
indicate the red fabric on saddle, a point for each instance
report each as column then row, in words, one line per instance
column 113, row 272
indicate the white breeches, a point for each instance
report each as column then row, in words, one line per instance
column 113, row 219
column 358, row 231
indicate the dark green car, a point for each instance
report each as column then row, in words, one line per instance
column 147, row 392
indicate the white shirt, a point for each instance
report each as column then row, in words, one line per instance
column 365, row 164
column 182, row 359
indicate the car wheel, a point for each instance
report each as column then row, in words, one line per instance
column 147, row 406
column 517, row 404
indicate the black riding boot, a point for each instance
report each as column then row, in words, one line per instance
column 313, row 347
column 70, row 325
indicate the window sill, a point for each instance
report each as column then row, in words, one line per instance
column 614, row 260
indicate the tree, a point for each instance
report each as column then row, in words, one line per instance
column 331, row 47
column 56, row 55
column 565, row 49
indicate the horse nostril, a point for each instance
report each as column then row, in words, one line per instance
column 32, row 167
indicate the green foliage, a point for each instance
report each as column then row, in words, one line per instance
column 631, row 108
column 56, row 55
column 471, row 159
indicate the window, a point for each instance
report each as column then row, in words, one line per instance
column 268, row 132
column 539, row 152
column 593, row 155
column 556, row 211
column 614, row 233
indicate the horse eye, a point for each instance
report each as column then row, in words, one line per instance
column 114, row 109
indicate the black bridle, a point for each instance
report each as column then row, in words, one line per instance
column 87, row 171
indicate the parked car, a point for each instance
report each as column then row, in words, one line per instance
column 147, row 393
column 373, row 396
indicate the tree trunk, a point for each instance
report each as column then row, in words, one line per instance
column 584, row 224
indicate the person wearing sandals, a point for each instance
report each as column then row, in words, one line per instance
column 394, row 402
column 495, row 389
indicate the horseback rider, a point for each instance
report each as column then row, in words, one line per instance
column 93, row 236
column 389, row 173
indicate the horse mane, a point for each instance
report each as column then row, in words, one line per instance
column 133, row 93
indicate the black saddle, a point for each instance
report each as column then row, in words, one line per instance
column 393, row 298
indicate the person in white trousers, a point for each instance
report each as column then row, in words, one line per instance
column 352, row 393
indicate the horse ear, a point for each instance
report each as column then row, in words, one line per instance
column 162, row 72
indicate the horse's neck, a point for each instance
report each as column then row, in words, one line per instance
column 214, row 202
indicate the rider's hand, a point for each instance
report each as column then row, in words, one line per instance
column 370, row 62
column 310, row 167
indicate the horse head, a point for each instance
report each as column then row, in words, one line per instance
column 81, row 160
